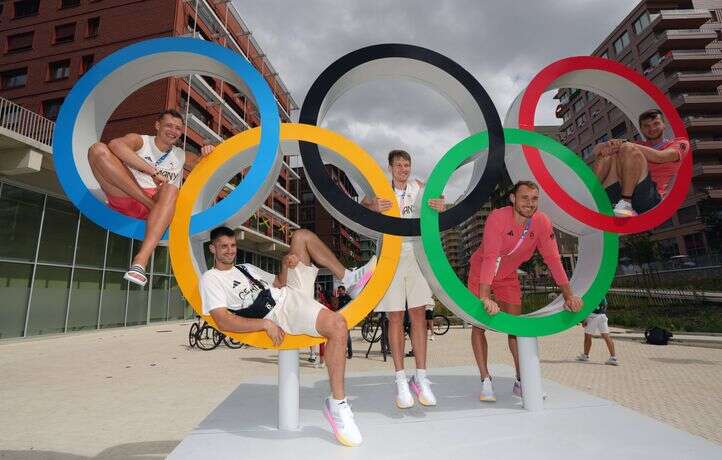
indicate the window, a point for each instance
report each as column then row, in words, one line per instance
column 687, row 215
column 51, row 107
column 14, row 78
column 619, row 131
column 567, row 116
column 621, row 43
column 86, row 62
column 603, row 138
column 694, row 244
column 641, row 23
column 59, row 70
column 26, row 8
column 69, row 3
column 93, row 27
column 65, row 33
column 595, row 113
column 604, row 55
column 20, row 42
column 582, row 120
column 564, row 99
column 579, row 104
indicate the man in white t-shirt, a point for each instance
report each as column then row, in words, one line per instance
column 140, row 176
column 408, row 288
column 244, row 298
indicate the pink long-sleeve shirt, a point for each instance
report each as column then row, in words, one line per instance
column 501, row 234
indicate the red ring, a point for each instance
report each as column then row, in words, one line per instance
column 646, row 221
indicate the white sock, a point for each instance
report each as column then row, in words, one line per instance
column 420, row 374
column 401, row 375
column 336, row 402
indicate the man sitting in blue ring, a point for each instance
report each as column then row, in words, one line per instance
column 140, row 175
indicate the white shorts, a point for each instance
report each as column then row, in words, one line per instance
column 597, row 324
column 408, row 286
column 297, row 311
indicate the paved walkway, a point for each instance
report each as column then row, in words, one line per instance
column 139, row 391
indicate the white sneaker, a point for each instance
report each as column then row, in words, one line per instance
column 623, row 208
column 422, row 388
column 487, row 391
column 404, row 400
column 612, row 361
column 358, row 278
column 583, row 357
column 344, row 427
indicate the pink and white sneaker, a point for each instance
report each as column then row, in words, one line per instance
column 340, row 418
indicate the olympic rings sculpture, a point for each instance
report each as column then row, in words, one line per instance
column 560, row 173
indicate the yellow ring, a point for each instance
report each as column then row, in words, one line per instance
column 180, row 247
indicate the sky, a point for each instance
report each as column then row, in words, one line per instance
column 502, row 43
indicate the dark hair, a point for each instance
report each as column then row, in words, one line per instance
column 341, row 286
column 172, row 112
column 221, row 231
column 650, row 114
column 524, row 183
column 394, row 154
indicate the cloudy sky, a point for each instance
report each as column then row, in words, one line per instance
column 502, row 43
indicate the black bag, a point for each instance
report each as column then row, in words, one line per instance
column 657, row 336
column 262, row 304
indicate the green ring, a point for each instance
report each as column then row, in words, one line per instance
column 458, row 292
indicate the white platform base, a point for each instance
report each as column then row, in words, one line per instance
column 572, row 425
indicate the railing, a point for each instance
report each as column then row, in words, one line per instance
column 26, row 122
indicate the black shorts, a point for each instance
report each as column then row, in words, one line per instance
column 644, row 197
column 429, row 314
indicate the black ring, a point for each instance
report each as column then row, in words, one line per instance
column 316, row 171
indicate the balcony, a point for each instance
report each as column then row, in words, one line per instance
column 690, row 59
column 210, row 95
column 684, row 39
column 700, row 147
column 703, row 124
column 707, row 171
column 208, row 15
column 694, row 81
column 680, row 19
column 691, row 101
column 200, row 127
column 715, row 193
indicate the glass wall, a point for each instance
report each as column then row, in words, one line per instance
column 60, row 272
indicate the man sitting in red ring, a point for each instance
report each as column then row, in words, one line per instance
column 140, row 175
column 511, row 234
column 637, row 176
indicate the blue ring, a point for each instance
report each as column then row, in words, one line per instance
column 130, row 227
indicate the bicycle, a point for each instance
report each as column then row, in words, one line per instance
column 370, row 328
column 206, row 337
column 440, row 325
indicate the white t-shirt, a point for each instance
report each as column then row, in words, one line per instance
column 171, row 166
column 407, row 205
column 231, row 289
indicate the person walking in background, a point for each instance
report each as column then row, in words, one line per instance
column 597, row 323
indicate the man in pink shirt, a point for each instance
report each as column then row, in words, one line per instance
column 637, row 176
column 511, row 234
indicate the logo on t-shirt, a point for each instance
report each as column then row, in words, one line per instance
column 511, row 233
column 408, row 210
column 235, row 283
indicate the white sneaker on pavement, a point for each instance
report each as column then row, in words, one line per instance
column 404, row 400
column 487, row 391
column 422, row 388
column 340, row 418
column 583, row 357
column 612, row 361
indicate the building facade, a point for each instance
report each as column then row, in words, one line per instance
column 678, row 46
column 64, row 273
